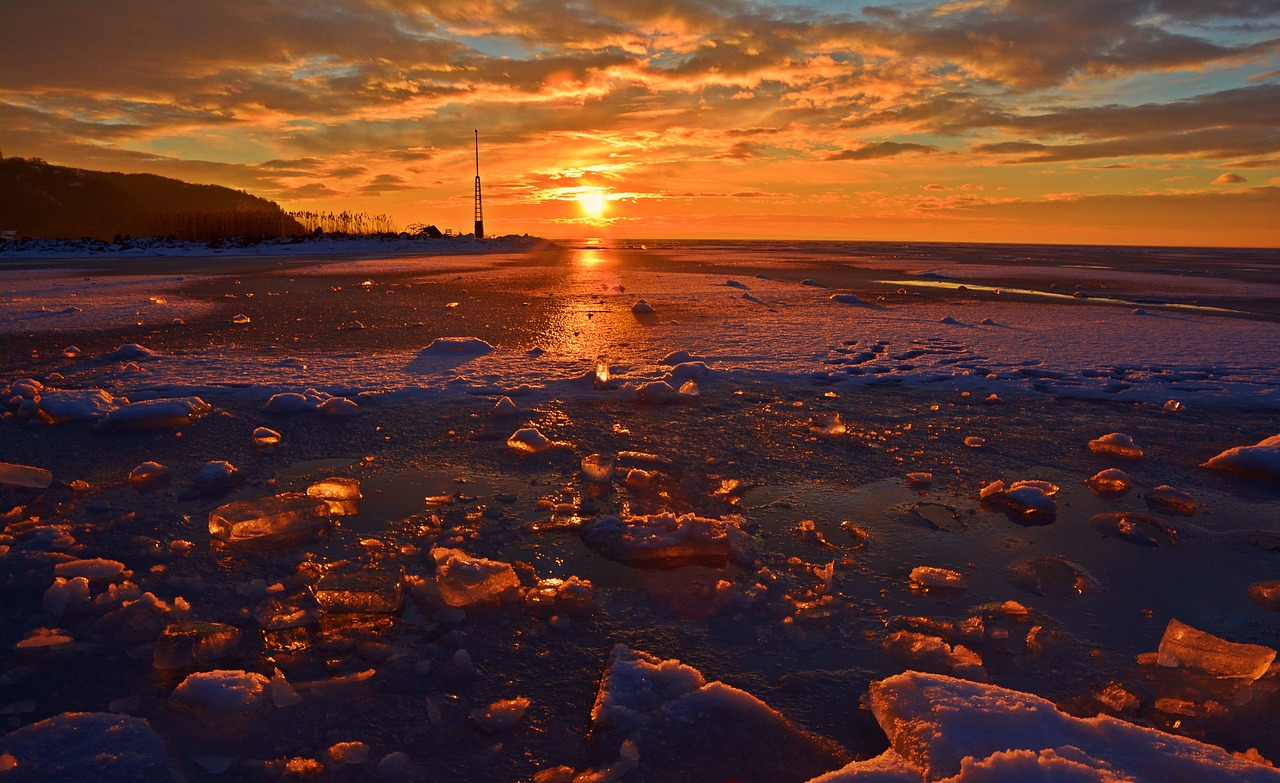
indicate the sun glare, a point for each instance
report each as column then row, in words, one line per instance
column 593, row 203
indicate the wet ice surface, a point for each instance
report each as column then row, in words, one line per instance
column 467, row 594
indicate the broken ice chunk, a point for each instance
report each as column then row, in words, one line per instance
column 597, row 468
column 453, row 346
column 830, row 426
column 931, row 577
column 529, row 441
column 265, row 438
column 287, row 610
column 974, row 442
column 932, row 653
column 641, row 307
column 190, row 643
column 24, row 476
column 275, row 516
column 1053, row 576
column 338, row 407
column 663, row 539
column 1172, row 501
column 1136, row 528
column 462, row 580
column 1117, row 444
column 370, row 590
column 59, row 405
column 215, row 475
column 690, row 388
column 90, row 568
column 66, row 594
column 1111, row 480
column 1261, row 460
column 1027, row 498
column 919, row 479
column 147, row 474
column 505, row 407
column 639, row 479
column 221, row 691
column 341, row 493
column 173, row 412
column 87, row 746
column 1184, row 647
column 43, row 637
column 501, row 715
column 349, row 753
column 657, row 392
column 132, row 352
column 1266, row 594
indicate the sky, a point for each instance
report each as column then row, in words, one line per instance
column 1089, row 121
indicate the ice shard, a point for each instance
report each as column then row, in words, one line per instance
column 1184, row 647
column 191, row 643
column 282, row 515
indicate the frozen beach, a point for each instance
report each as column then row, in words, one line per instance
column 576, row 465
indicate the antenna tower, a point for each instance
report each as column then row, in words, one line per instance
column 479, row 212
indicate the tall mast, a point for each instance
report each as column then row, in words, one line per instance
column 479, row 212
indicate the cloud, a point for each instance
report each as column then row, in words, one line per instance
column 1229, row 178
column 883, row 149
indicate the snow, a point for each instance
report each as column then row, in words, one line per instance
column 962, row 732
column 528, row 440
column 1109, row 480
column 1261, row 460
column 221, row 691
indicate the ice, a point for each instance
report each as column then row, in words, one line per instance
column 265, row 438
column 1052, row 575
column 147, row 474
column 132, row 352
column 680, row 357
column 348, row 753
column 505, row 407
column 223, row 691
column 975, row 442
column 501, row 715
column 1266, row 594
column 1261, row 460
column 968, row 732
column 24, row 476
column 597, row 468
column 96, row 568
column 292, row 609
column 462, row 580
column 657, row 392
column 663, row 539
column 39, row 638
column 86, row 746
column 26, row 388
column 454, row 346
column 1184, row 647
column 294, row 402
column 1116, row 444
column 338, row 407
column 529, row 441
column 66, row 594
column 685, row 728
column 920, row 479
column 929, row 576
column 641, row 307
column 888, row 767
column 56, row 406
column 192, row 643
column 852, row 299
column 570, row 595
column 1136, row 528
column 240, row 319
column 1172, row 501
column 1031, row 498
column 1110, row 480
column 278, row 515
column 281, row 693
column 169, row 412
column 341, row 493
column 215, row 475
column 367, row 591
column 932, row 653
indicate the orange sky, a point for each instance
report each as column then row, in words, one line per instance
column 1093, row 121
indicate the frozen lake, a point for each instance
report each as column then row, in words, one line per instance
column 778, row 473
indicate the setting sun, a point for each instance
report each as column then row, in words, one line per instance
column 593, row 203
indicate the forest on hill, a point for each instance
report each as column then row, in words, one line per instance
column 38, row 199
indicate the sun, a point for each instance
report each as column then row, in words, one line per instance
column 593, row 203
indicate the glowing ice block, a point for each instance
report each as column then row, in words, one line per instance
column 371, row 591
column 275, row 516
column 1184, row 647
column 341, row 493
column 191, row 643
column 24, row 476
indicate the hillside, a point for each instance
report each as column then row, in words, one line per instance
column 38, row 199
